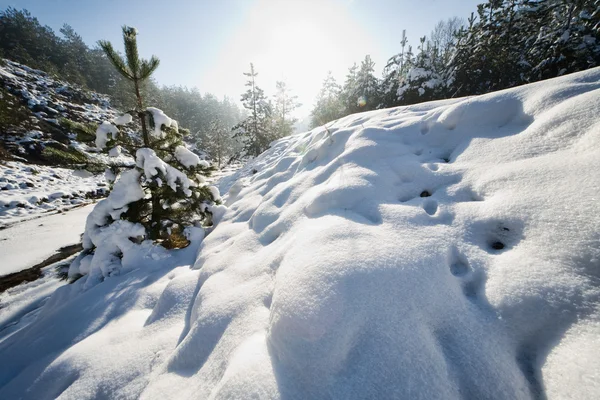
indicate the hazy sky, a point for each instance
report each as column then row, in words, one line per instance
column 209, row 44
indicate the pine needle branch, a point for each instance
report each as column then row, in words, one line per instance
column 115, row 59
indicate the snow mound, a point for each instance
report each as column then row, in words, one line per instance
column 188, row 159
column 160, row 118
column 104, row 129
column 443, row 250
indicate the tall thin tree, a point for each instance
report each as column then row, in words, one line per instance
column 134, row 68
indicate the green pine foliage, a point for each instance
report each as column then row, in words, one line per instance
column 257, row 131
column 329, row 106
column 132, row 68
column 170, row 176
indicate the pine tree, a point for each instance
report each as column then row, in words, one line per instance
column 392, row 73
column 423, row 80
column 329, row 104
column 349, row 96
column 467, row 62
column 218, row 142
column 256, row 131
column 133, row 68
column 285, row 104
column 367, row 86
column 167, row 181
column 566, row 38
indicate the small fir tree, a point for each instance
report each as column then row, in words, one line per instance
column 349, row 95
column 156, row 198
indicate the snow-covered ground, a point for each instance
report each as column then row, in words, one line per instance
column 28, row 191
column 443, row 250
column 28, row 243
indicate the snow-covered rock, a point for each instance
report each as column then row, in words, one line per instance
column 445, row 250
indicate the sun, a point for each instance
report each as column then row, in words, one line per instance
column 295, row 41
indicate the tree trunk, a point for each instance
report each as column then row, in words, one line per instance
column 156, row 210
column 141, row 113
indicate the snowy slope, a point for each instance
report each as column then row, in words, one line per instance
column 444, row 250
column 29, row 191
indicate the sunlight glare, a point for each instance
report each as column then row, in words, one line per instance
column 295, row 41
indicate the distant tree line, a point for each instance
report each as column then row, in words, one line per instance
column 505, row 44
column 266, row 121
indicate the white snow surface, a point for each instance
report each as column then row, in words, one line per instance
column 188, row 158
column 445, row 250
column 104, row 129
column 28, row 191
column 28, row 243
column 160, row 118
column 123, row 119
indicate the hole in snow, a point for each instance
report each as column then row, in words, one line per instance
column 425, row 193
column 497, row 245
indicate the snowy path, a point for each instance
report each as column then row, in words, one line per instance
column 28, row 243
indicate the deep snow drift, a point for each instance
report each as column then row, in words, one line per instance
column 443, row 250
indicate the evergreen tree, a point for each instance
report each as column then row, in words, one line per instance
column 257, row 130
column 165, row 191
column 285, row 104
column 349, row 96
column 464, row 64
column 329, row 105
column 132, row 68
column 218, row 142
column 368, row 86
column 565, row 37
column 423, row 81
column 392, row 73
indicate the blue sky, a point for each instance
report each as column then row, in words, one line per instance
column 208, row 44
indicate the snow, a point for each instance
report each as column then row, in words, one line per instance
column 123, row 119
column 152, row 165
column 126, row 190
column 26, row 244
column 442, row 250
column 104, row 129
column 115, row 151
column 189, row 159
column 160, row 118
column 28, row 191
